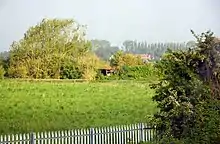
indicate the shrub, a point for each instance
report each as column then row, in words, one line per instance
column 2, row 72
column 88, row 65
column 139, row 72
column 206, row 128
column 69, row 71
column 120, row 59
column 188, row 94
column 84, row 67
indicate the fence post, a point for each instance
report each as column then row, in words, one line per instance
column 32, row 138
column 91, row 135
column 141, row 125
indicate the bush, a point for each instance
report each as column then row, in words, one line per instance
column 85, row 67
column 2, row 72
column 188, row 94
column 88, row 65
column 70, row 72
column 120, row 59
column 139, row 72
column 206, row 128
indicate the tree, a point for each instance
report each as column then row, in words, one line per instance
column 106, row 53
column 128, row 46
column 88, row 65
column 188, row 93
column 46, row 47
column 120, row 59
column 96, row 44
column 103, row 49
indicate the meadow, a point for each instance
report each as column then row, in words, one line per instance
column 46, row 106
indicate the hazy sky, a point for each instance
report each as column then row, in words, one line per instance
column 114, row 20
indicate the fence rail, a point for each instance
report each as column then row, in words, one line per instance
column 122, row 134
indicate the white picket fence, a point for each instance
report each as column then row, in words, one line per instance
column 124, row 134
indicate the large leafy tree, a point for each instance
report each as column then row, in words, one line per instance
column 46, row 47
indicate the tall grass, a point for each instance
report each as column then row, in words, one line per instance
column 43, row 106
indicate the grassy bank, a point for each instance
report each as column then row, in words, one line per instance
column 43, row 106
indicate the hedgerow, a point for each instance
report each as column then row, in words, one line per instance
column 138, row 72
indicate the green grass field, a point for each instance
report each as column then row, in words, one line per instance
column 45, row 106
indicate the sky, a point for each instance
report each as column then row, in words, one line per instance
column 114, row 20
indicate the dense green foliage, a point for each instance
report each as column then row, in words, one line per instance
column 54, row 48
column 44, row 106
column 129, row 67
column 140, row 72
column 2, row 72
column 3, row 65
column 121, row 58
column 137, row 72
column 69, row 71
column 188, row 94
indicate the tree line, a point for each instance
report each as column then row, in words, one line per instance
column 104, row 50
column 59, row 49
